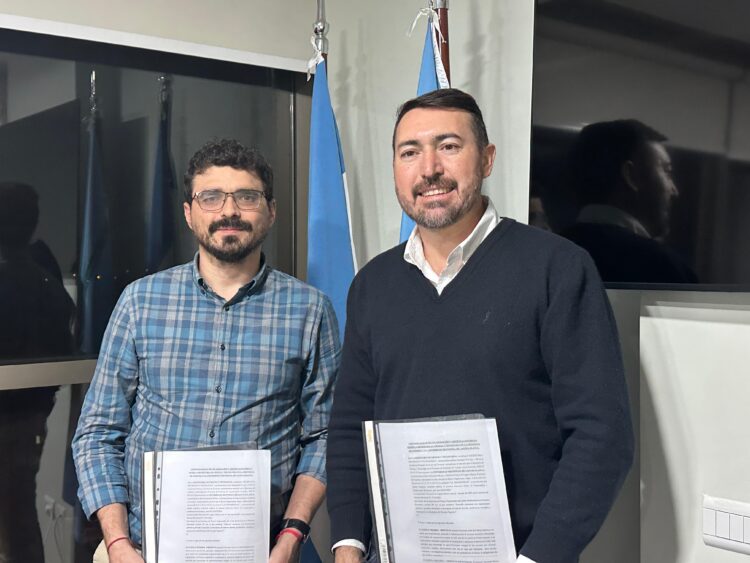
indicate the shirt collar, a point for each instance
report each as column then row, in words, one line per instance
column 601, row 214
column 253, row 286
column 414, row 251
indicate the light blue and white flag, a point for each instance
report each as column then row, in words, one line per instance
column 431, row 77
column 331, row 261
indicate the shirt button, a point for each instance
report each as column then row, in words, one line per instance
column 211, row 434
column 218, row 388
column 226, row 307
column 222, row 347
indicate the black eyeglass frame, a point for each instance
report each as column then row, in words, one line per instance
column 262, row 193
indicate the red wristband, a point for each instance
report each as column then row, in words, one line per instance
column 114, row 541
column 296, row 533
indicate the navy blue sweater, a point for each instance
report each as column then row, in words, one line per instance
column 524, row 334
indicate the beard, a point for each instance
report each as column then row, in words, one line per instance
column 426, row 216
column 231, row 249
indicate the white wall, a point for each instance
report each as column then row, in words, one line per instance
column 686, row 356
column 693, row 397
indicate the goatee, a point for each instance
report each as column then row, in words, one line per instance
column 423, row 216
column 231, row 250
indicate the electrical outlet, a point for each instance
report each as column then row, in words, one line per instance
column 726, row 524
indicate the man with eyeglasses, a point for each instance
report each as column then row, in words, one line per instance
column 222, row 350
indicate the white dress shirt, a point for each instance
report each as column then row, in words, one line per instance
column 414, row 254
column 414, row 251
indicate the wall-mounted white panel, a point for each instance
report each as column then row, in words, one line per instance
column 694, row 390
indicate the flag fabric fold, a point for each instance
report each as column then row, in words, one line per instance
column 331, row 261
column 95, row 271
column 160, row 229
column 431, row 77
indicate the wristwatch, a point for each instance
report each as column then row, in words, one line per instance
column 300, row 525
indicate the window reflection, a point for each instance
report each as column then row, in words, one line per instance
column 146, row 125
column 602, row 71
column 621, row 179
column 36, row 311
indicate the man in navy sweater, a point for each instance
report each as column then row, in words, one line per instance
column 478, row 313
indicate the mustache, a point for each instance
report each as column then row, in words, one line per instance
column 229, row 222
column 434, row 182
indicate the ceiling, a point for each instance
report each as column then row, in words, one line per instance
column 710, row 29
column 725, row 18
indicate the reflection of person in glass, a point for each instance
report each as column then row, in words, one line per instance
column 36, row 317
column 622, row 176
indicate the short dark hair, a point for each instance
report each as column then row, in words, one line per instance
column 228, row 152
column 598, row 153
column 450, row 99
column 19, row 214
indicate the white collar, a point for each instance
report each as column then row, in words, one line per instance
column 414, row 250
column 602, row 214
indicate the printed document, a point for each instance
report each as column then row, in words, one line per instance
column 438, row 492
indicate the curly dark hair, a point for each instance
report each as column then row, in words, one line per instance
column 228, row 152
column 451, row 99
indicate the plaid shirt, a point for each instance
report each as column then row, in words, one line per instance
column 180, row 367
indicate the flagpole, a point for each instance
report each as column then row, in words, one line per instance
column 92, row 94
column 331, row 262
column 165, row 92
column 442, row 9
column 320, row 30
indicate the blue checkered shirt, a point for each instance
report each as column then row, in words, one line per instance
column 181, row 367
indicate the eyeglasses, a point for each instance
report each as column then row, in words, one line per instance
column 213, row 200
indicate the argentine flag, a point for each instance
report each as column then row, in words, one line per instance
column 330, row 254
column 431, row 77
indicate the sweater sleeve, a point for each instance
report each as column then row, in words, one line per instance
column 580, row 349
column 348, row 496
